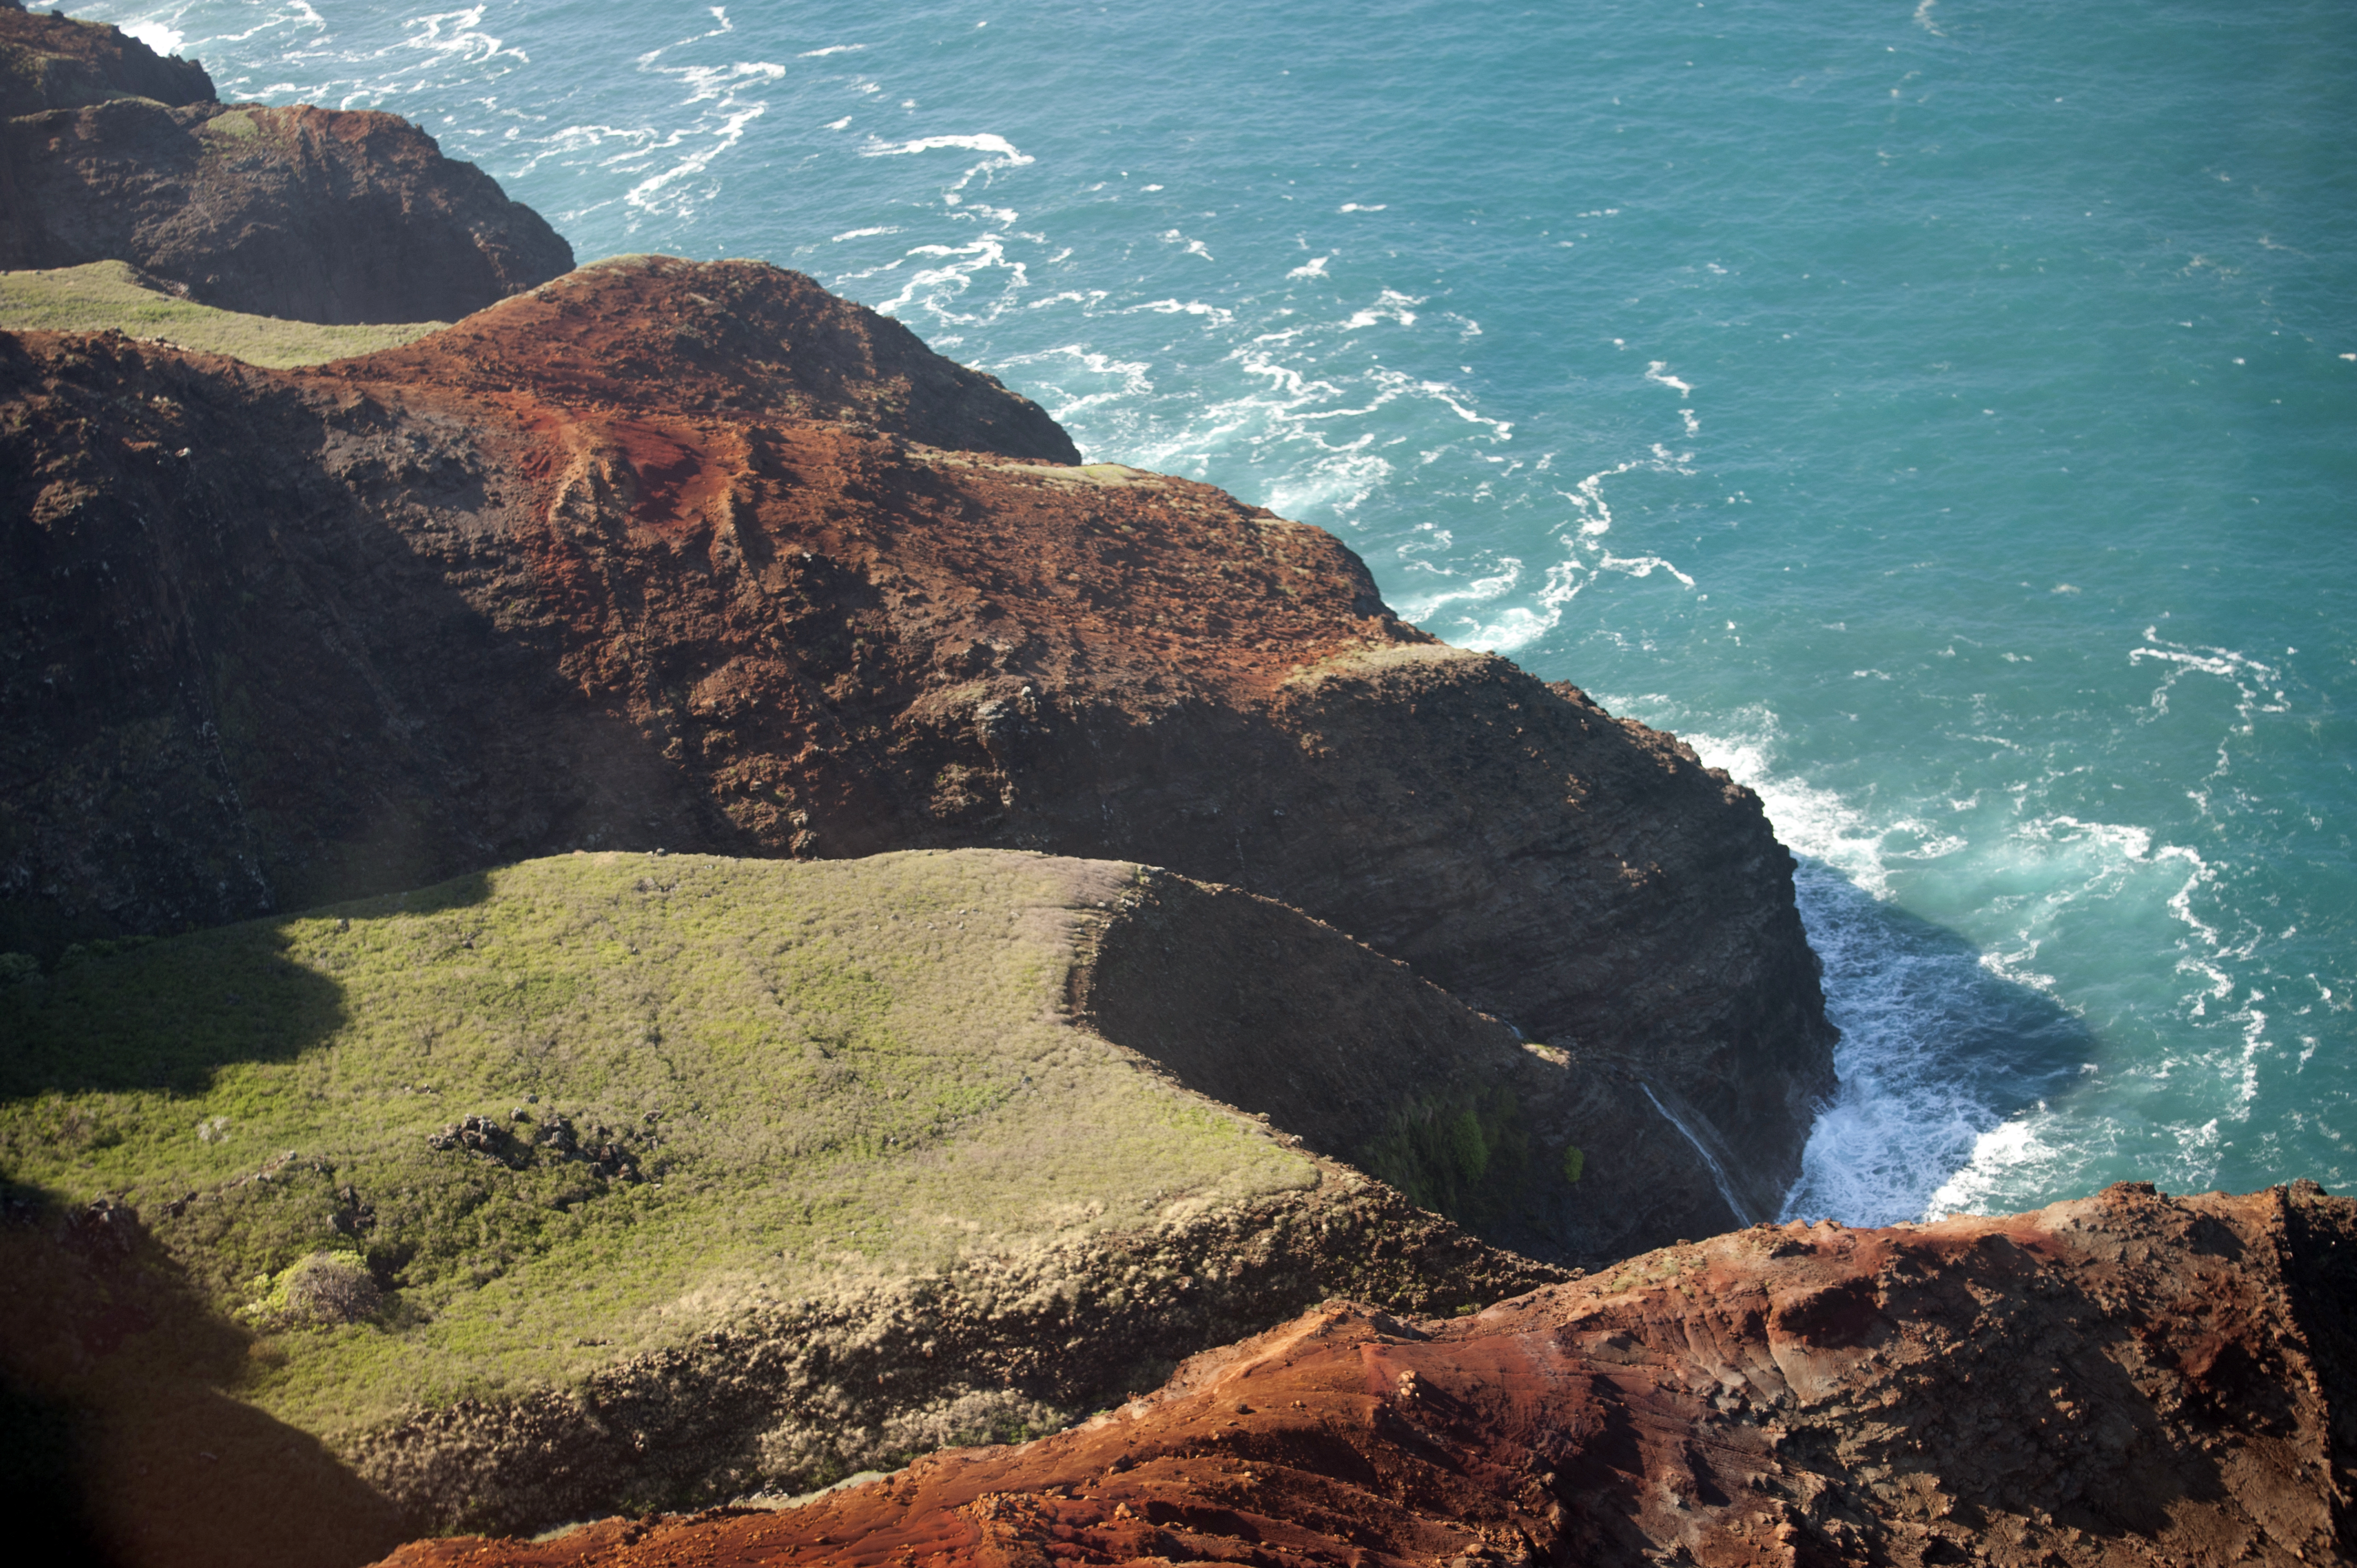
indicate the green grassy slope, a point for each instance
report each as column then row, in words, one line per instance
column 105, row 295
column 773, row 1076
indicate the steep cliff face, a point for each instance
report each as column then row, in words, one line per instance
column 697, row 555
column 303, row 213
column 1551, row 1151
column 55, row 62
column 2127, row 1379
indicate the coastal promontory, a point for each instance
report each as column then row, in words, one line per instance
column 698, row 556
column 109, row 152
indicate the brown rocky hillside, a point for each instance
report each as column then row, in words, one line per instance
column 55, row 62
column 701, row 557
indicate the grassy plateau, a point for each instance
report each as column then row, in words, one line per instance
column 698, row 1086
column 104, row 295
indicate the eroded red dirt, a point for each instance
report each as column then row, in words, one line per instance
column 2129, row 1379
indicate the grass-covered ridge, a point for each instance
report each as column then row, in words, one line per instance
column 767, row 1074
column 105, row 295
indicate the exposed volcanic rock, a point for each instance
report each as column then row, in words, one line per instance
column 58, row 62
column 2128, row 1378
column 663, row 554
column 311, row 214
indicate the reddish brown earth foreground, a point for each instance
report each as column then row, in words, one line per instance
column 2127, row 1379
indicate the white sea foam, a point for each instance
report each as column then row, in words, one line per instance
column 1313, row 268
column 1659, row 371
column 1902, row 1120
column 1212, row 315
column 458, row 34
column 656, row 190
column 941, row 288
column 2012, row 1155
column 161, row 37
column 1076, row 380
column 985, row 142
column 1939, row 1072
column 1390, row 306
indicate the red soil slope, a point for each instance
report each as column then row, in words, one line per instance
column 2129, row 1379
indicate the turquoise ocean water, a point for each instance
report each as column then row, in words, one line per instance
column 1943, row 412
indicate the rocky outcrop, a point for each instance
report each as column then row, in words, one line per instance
column 2129, row 1379
column 111, row 154
column 700, row 556
column 55, row 61
column 309, row 214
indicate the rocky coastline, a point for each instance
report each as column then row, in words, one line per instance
column 110, row 152
column 1364, row 1018
column 661, row 555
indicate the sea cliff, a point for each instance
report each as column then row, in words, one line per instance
column 110, row 152
column 698, row 556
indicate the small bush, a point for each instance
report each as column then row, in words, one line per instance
column 330, row 1288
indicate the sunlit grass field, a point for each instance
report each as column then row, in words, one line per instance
column 796, row 1072
column 105, row 295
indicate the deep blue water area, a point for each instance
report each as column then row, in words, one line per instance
column 1942, row 414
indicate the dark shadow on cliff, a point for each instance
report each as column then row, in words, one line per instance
column 167, row 1016
column 1351, row 1053
column 115, row 1370
column 1936, row 1048
column 252, row 678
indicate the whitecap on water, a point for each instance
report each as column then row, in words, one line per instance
column 161, row 37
